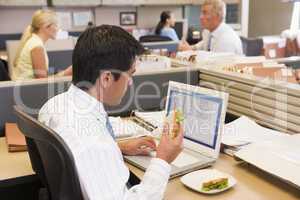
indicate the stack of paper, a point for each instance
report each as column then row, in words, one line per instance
column 143, row 123
column 184, row 58
column 280, row 158
column 155, row 118
column 244, row 131
column 272, row 151
column 126, row 128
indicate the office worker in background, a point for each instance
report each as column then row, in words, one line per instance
column 103, row 64
column 164, row 26
column 216, row 36
column 31, row 59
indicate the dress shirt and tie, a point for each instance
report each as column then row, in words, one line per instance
column 82, row 122
column 223, row 39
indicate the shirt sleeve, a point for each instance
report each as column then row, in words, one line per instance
column 101, row 168
column 202, row 45
column 154, row 182
column 173, row 35
column 104, row 175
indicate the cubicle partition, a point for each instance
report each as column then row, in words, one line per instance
column 30, row 95
column 275, row 104
column 59, row 60
column 147, row 93
column 149, row 90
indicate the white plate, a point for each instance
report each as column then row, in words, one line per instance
column 194, row 180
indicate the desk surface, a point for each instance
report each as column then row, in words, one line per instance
column 251, row 182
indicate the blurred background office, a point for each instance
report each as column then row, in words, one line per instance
column 260, row 24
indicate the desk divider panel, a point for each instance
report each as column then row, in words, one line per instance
column 34, row 93
column 271, row 103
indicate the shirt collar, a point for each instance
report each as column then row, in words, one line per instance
column 218, row 30
column 85, row 104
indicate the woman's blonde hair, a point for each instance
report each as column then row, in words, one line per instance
column 39, row 19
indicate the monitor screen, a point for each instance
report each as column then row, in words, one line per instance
column 201, row 111
column 181, row 28
column 171, row 46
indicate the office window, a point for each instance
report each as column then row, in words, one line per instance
column 232, row 13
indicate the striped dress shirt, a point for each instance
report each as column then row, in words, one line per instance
column 223, row 39
column 80, row 120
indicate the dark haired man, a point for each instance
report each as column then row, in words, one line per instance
column 103, row 64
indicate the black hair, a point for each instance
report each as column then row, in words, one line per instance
column 164, row 16
column 100, row 48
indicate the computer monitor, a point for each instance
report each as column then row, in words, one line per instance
column 171, row 46
column 204, row 114
column 181, row 28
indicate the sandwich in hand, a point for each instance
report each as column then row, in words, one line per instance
column 175, row 122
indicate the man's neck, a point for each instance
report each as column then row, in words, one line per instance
column 93, row 92
column 215, row 27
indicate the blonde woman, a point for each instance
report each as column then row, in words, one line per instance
column 31, row 60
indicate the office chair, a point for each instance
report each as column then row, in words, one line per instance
column 154, row 38
column 3, row 71
column 252, row 46
column 51, row 158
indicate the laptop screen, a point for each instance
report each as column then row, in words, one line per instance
column 202, row 113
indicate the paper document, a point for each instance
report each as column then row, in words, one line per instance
column 243, row 131
column 126, row 128
column 279, row 157
column 156, row 118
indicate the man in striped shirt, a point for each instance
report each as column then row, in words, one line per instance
column 103, row 65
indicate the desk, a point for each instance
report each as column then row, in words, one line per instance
column 252, row 184
column 13, row 164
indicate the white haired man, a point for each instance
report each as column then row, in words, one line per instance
column 216, row 36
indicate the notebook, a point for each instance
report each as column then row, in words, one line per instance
column 15, row 140
column 204, row 113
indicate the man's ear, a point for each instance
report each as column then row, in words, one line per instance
column 105, row 79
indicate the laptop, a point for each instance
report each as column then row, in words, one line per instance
column 204, row 114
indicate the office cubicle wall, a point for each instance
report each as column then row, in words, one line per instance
column 148, row 92
column 272, row 103
column 59, row 60
column 30, row 95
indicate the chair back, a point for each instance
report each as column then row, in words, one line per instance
column 51, row 157
column 252, row 46
column 154, row 38
column 3, row 71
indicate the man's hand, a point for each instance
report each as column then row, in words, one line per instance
column 184, row 46
column 169, row 148
column 137, row 146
